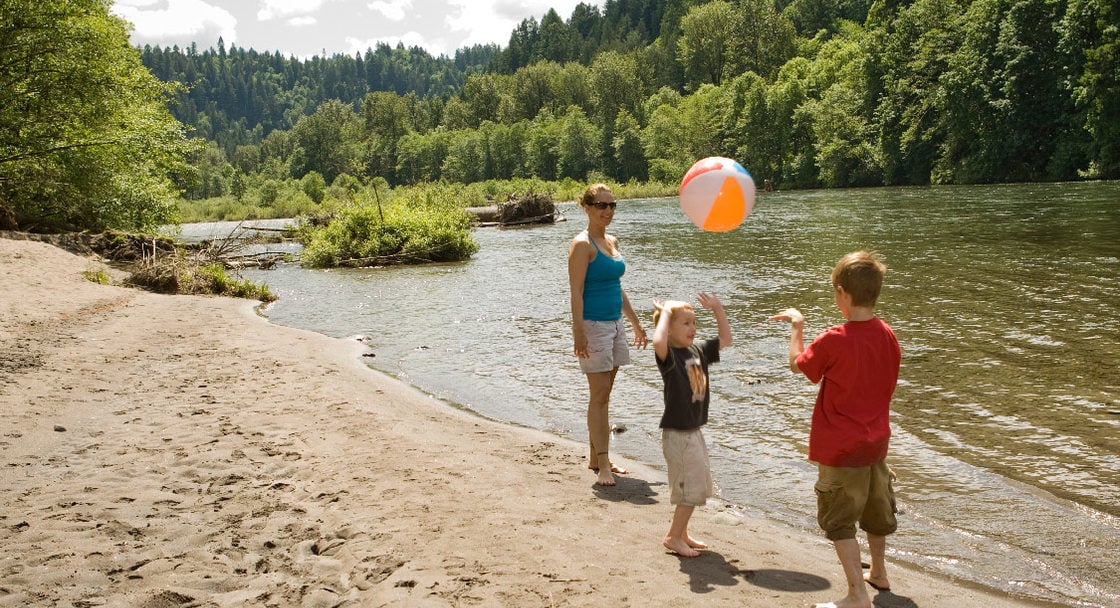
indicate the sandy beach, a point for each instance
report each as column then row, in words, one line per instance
column 172, row 451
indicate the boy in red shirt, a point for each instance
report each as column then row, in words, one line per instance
column 857, row 366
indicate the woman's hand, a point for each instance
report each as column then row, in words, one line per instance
column 641, row 340
column 580, row 344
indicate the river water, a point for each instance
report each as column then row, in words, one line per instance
column 1005, row 300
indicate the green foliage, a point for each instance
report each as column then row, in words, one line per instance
column 1091, row 35
column 705, row 43
column 289, row 201
column 846, row 155
column 616, row 86
column 326, row 141
column 86, row 140
column 578, row 146
column 314, row 186
column 1004, row 83
column 412, row 226
column 626, row 146
column 97, row 276
column 763, row 40
column 177, row 274
column 237, row 91
column 213, row 279
column 804, row 93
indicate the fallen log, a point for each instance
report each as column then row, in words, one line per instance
column 518, row 211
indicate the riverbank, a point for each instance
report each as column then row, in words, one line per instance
column 180, row 450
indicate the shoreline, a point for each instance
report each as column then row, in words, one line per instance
column 183, row 450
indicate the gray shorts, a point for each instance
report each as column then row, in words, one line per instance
column 690, row 475
column 606, row 346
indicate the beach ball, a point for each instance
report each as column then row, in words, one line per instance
column 717, row 194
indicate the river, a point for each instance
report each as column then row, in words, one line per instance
column 1005, row 300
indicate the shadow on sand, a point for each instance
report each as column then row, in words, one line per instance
column 711, row 569
column 628, row 489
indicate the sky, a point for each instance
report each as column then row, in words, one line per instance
column 302, row 28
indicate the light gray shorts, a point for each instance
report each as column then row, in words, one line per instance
column 690, row 475
column 606, row 346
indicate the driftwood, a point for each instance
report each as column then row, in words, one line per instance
column 264, row 260
column 517, row 211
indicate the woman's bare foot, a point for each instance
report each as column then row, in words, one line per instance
column 680, row 547
column 605, row 479
column 879, row 583
column 696, row 544
column 614, row 469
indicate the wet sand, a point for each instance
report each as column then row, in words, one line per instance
column 165, row 451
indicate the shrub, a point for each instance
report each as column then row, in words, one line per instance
column 178, row 275
column 410, row 227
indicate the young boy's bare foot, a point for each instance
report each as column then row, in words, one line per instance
column 696, row 544
column 679, row 547
column 848, row 602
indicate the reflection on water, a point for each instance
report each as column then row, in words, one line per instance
column 1005, row 299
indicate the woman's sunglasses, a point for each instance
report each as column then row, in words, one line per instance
column 600, row 205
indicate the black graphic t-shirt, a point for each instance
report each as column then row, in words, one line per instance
column 685, row 372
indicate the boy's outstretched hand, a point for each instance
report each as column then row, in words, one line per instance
column 791, row 316
column 796, row 344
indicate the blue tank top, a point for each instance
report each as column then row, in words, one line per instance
column 602, row 288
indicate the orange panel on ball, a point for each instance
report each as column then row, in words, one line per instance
column 727, row 210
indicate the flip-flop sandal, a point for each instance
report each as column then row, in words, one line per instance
column 614, row 469
column 877, row 587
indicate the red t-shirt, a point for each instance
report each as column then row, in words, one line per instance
column 857, row 365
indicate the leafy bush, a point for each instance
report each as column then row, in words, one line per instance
column 97, row 276
column 177, row 275
column 409, row 227
column 212, row 279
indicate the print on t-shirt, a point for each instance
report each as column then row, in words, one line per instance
column 696, row 378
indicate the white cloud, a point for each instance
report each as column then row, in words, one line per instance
column 477, row 23
column 280, row 9
column 395, row 10
column 180, row 20
column 493, row 22
column 303, row 28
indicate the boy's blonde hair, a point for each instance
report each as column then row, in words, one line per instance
column 593, row 191
column 860, row 273
column 672, row 306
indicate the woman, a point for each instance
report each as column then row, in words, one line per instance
column 595, row 268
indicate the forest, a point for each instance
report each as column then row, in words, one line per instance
column 813, row 93
column 804, row 93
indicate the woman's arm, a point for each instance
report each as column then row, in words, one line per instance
column 578, row 259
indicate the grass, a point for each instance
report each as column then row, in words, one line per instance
column 97, row 276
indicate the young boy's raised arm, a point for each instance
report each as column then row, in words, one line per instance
column 796, row 338
column 661, row 330
column 712, row 303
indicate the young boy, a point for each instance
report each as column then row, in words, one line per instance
column 684, row 368
column 858, row 363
